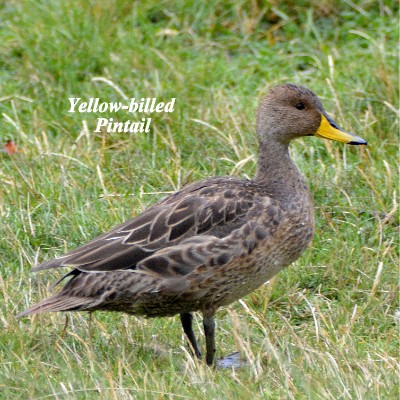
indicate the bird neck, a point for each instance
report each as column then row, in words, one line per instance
column 278, row 174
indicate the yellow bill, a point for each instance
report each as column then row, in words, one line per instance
column 328, row 129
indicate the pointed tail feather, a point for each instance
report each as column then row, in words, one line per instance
column 57, row 303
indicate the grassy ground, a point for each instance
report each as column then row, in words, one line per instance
column 326, row 328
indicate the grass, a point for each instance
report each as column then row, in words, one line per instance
column 325, row 328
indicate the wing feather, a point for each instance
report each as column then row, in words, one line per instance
column 199, row 210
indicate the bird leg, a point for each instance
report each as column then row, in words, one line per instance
column 209, row 331
column 186, row 320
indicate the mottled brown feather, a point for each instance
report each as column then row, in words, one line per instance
column 166, row 224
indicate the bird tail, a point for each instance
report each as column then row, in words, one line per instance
column 58, row 302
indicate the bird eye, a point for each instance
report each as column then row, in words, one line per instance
column 300, row 106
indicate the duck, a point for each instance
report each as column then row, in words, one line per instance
column 210, row 243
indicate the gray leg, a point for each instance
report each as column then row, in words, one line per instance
column 186, row 319
column 209, row 330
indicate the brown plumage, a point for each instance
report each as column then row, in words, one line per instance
column 212, row 242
